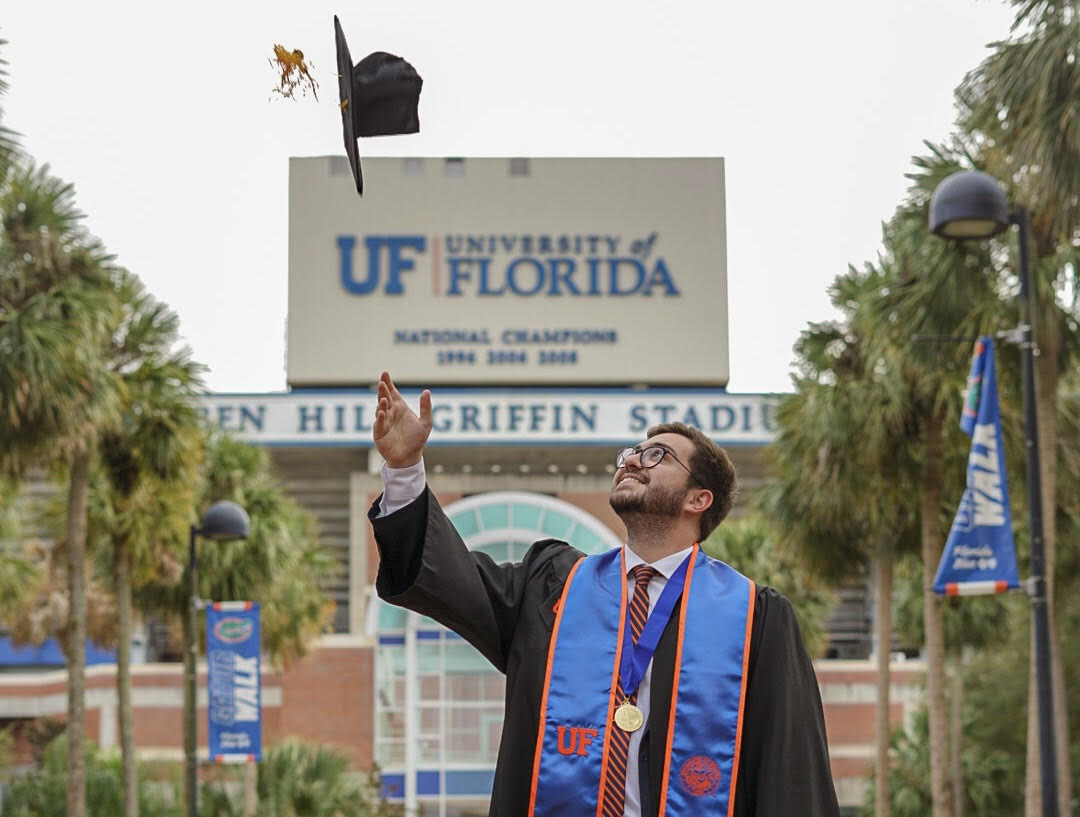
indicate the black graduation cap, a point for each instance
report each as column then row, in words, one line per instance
column 379, row 97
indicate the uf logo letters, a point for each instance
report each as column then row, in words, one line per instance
column 580, row 738
column 394, row 245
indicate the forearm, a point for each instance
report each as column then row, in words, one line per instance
column 399, row 536
column 426, row 567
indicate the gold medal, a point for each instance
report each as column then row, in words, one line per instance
column 628, row 717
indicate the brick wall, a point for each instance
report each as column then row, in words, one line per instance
column 327, row 697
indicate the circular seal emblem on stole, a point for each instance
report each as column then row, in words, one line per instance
column 700, row 776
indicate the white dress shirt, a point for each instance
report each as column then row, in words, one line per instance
column 664, row 568
column 403, row 485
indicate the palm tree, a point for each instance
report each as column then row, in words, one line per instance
column 281, row 564
column 56, row 306
column 865, row 379
column 936, row 290
column 1023, row 101
column 149, row 464
column 843, row 504
column 1022, row 106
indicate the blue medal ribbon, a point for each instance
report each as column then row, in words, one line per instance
column 636, row 657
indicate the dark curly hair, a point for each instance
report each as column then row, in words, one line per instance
column 710, row 463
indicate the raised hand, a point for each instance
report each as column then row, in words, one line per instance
column 399, row 434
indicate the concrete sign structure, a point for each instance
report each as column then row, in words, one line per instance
column 508, row 271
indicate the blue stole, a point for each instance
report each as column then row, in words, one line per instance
column 578, row 704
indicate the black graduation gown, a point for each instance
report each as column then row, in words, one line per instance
column 506, row 612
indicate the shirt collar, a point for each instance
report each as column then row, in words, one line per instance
column 665, row 566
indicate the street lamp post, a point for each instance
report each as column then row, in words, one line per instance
column 222, row 520
column 973, row 205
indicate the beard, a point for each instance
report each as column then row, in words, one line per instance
column 654, row 504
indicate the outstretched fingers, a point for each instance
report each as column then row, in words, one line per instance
column 388, row 396
column 425, row 409
column 387, row 387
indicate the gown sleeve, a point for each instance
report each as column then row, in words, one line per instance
column 784, row 765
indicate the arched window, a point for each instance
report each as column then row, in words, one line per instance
column 446, row 723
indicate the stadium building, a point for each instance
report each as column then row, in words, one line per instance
column 557, row 308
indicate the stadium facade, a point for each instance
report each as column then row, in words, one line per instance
column 557, row 308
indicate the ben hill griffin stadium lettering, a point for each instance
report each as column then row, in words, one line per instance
column 474, row 416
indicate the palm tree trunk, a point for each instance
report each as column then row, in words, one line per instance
column 933, row 618
column 1032, row 778
column 1061, row 723
column 128, row 773
column 956, row 735
column 883, row 610
column 191, row 691
column 251, row 789
column 78, row 491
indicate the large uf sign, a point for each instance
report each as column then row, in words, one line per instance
column 578, row 271
column 232, row 657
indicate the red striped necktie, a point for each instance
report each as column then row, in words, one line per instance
column 614, row 785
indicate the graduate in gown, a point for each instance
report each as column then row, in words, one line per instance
column 699, row 698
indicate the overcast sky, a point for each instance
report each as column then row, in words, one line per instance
column 162, row 117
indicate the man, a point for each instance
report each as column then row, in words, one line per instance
column 650, row 680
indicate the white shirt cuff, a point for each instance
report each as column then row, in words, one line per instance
column 401, row 486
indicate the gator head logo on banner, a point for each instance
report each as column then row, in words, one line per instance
column 974, row 388
column 233, row 630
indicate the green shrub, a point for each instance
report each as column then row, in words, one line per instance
column 297, row 779
column 43, row 792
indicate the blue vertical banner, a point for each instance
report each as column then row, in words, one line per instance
column 980, row 555
column 233, row 683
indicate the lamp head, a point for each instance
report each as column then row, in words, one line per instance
column 225, row 520
column 969, row 204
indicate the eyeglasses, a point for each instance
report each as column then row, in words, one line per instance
column 650, row 456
